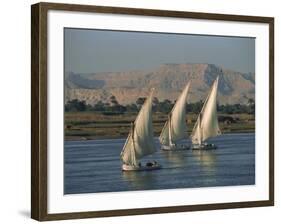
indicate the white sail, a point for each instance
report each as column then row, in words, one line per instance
column 198, row 132
column 165, row 134
column 175, row 128
column 140, row 140
column 207, row 124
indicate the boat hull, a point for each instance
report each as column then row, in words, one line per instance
column 174, row 147
column 204, row 146
column 126, row 167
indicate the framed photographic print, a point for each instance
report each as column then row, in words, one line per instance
column 140, row 111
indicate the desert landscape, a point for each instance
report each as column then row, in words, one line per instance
column 103, row 105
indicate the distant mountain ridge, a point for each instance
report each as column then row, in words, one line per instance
column 168, row 80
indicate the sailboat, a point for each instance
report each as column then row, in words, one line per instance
column 140, row 141
column 207, row 124
column 175, row 128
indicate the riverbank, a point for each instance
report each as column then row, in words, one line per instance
column 92, row 125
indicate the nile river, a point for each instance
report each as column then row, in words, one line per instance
column 94, row 166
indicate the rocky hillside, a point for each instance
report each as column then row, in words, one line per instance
column 167, row 79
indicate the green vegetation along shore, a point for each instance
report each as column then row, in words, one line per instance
column 89, row 125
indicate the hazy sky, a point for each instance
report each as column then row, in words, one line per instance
column 90, row 51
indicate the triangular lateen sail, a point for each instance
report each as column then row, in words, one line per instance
column 175, row 127
column 207, row 124
column 140, row 141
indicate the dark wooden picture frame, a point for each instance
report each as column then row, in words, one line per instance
column 39, row 202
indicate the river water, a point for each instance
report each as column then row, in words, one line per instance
column 94, row 166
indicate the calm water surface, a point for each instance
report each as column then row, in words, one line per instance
column 94, row 166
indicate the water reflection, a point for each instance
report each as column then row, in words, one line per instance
column 139, row 180
column 206, row 158
column 208, row 165
column 176, row 157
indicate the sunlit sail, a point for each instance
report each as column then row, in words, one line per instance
column 175, row 128
column 207, row 124
column 140, row 141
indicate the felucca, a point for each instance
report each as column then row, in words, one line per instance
column 207, row 124
column 175, row 128
column 140, row 141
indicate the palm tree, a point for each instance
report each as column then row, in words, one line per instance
column 113, row 101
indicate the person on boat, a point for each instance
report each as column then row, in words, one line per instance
column 149, row 164
column 139, row 164
column 154, row 163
